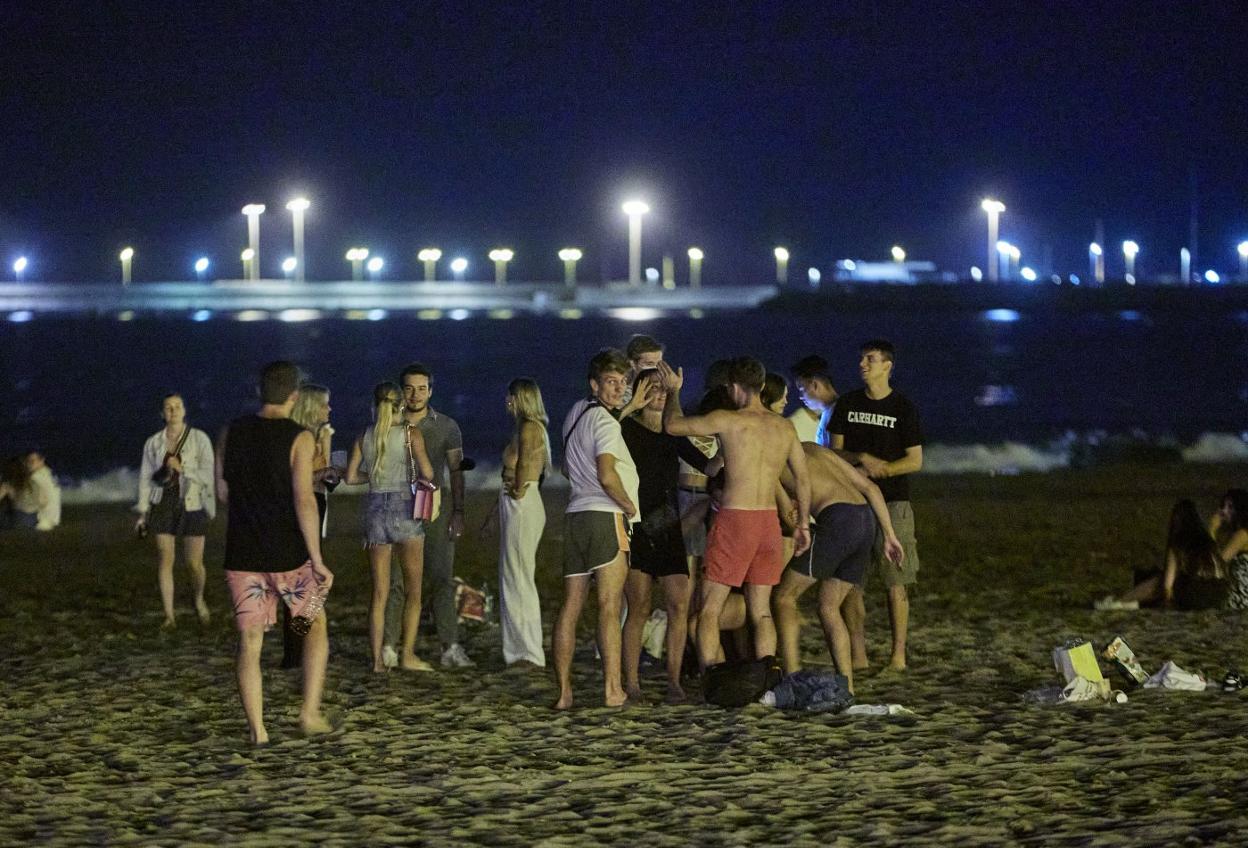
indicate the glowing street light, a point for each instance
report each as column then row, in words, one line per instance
column 249, row 258
column 1129, row 251
column 253, row 211
column 1096, row 259
column 1212, row 276
column 126, row 256
column 994, row 208
column 19, row 266
column 695, row 267
column 1028, row 274
column 201, row 265
column 1015, row 256
column 289, row 264
column 570, row 256
column 356, row 257
column 458, row 266
column 899, row 255
column 814, row 276
column 1005, row 251
column 297, row 207
column 500, row 256
column 634, row 209
column 430, row 256
column 1243, row 261
column 374, row 267
column 782, row 264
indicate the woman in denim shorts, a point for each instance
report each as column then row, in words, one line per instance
column 387, row 457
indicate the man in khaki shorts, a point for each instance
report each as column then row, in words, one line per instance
column 877, row 428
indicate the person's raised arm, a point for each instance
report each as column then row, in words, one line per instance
column 675, row 422
column 223, row 489
column 355, row 473
column 305, row 504
column 610, row 481
column 801, row 494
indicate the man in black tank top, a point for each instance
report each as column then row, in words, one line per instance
column 273, row 541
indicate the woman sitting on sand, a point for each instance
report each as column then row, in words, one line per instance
column 522, row 517
column 1194, row 577
column 177, row 499
column 1229, row 528
column 385, row 457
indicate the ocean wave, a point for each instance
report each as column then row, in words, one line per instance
column 121, row 485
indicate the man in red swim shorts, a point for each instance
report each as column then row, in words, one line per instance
column 744, row 545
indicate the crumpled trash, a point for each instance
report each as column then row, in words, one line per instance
column 877, row 710
column 810, row 690
column 1170, row 676
column 654, row 634
column 1082, row 689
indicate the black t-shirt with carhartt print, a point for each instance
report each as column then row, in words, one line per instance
column 883, row 428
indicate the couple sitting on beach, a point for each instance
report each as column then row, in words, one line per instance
column 1206, row 567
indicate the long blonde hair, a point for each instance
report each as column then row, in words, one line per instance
column 386, row 407
column 528, row 406
column 307, row 405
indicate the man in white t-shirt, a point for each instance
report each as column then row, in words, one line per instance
column 601, row 508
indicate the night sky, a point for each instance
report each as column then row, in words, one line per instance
column 836, row 129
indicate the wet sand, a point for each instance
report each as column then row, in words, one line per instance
column 115, row 733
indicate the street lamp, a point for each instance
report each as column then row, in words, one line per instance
column 695, row 267
column 994, row 208
column 570, row 256
column 1096, row 259
column 201, row 265
column 1243, row 261
column 297, row 207
column 249, row 258
column 430, row 256
column 253, row 211
column 634, row 209
column 500, row 256
column 1185, row 266
column 126, row 255
column 19, row 265
column 458, row 266
column 374, row 267
column 1129, row 251
column 356, row 257
column 289, row 264
column 899, row 255
column 782, row 264
column 1028, row 274
column 1015, row 256
column 1005, row 250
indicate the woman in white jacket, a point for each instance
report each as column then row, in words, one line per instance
column 177, row 497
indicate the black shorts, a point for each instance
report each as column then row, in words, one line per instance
column 659, row 551
column 171, row 518
column 840, row 545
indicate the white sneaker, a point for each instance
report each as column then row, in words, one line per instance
column 456, row 657
column 389, row 656
column 1110, row 603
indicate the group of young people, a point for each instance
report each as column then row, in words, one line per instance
column 719, row 508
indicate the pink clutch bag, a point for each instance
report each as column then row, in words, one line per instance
column 423, row 495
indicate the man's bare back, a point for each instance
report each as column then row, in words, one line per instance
column 831, row 479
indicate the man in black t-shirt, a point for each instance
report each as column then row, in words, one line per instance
column 877, row 428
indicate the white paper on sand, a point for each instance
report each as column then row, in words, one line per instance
column 877, row 710
column 1170, row 676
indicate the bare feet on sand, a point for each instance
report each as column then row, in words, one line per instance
column 260, row 737
column 168, row 624
column 675, row 695
column 633, row 693
column 615, row 699
column 314, row 725
column 564, row 702
column 414, row 663
column 201, row 610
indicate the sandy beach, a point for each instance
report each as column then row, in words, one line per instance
column 115, row 733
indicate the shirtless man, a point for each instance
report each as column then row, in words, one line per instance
column 744, row 545
column 847, row 507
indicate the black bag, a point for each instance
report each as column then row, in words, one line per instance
column 737, row 684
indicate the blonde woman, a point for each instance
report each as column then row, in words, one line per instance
column 177, row 499
column 522, row 517
column 383, row 458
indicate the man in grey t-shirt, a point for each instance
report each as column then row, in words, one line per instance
column 445, row 446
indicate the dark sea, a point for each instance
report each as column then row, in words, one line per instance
column 999, row 388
